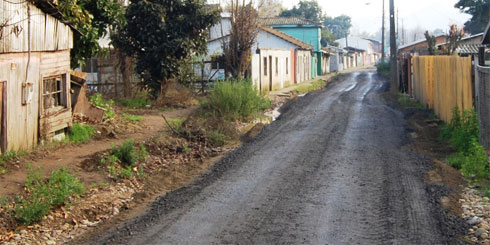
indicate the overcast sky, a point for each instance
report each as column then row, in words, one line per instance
column 427, row 14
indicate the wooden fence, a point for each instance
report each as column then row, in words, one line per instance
column 442, row 83
column 483, row 103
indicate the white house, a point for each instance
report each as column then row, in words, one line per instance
column 279, row 60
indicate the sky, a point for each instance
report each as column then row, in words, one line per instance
column 366, row 14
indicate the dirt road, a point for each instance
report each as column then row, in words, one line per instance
column 331, row 170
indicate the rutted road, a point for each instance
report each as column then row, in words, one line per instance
column 330, row 170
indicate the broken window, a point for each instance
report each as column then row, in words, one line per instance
column 53, row 95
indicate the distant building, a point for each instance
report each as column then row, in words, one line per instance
column 420, row 47
column 364, row 52
column 305, row 30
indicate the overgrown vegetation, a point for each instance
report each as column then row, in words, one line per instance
column 176, row 124
column 137, row 102
column 471, row 158
column 123, row 159
column 305, row 88
column 407, row 102
column 383, row 68
column 235, row 100
column 42, row 195
column 105, row 104
column 132, row 118
column 9, row 156
column 80, row 133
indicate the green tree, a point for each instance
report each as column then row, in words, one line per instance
column 339, row 25
column 92, row 19
column 306, row 9
column 480, row 12
column 161, row 34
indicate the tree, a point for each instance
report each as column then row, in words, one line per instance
column 431, row 42
column 237, row 46
column 454, row 39
column 480, row 12
column 328, row 38
column 269, row 8
column 339, row 25
column 161, row 34
column 92, row 19
column 306, row 9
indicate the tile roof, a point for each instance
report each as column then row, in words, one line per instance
column 287, row 38
column 286, row 21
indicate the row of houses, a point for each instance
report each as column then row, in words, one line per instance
column 287, row 51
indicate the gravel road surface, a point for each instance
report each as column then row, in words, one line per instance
column 331, row 170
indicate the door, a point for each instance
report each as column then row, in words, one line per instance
column 270, row 73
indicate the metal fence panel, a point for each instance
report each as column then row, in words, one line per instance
column 483, row 103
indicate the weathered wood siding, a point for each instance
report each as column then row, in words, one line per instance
column 442, row 83
column 47, row 33
column 23, row 120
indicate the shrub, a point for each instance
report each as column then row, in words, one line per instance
column 44, row 195
column 383, row 68
column 462, row 129
column 128, row 154
column 80, row 133
column 132, row 117
column 134, row 102
column 216, row 138
column 106, row 104
column 235, row 100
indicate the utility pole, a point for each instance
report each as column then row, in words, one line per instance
column 383, row 35
column 393, row 50
column 397, row 25
column 403, row 32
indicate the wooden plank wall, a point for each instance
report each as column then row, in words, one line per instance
column 47, row 32
column 442, row 83
column 23, row 120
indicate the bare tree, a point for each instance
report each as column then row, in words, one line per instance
column 454, row 39
column 269, row 8
column 431, row 41
column 243, row 34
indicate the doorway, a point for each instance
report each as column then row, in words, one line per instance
column 270, row 73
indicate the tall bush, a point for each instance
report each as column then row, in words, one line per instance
column 235, row 100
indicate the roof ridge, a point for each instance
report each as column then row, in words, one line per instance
column 279, row 33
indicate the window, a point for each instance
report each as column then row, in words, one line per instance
column 265, row 66
column 287, row 68
column 91, row 66
column 277, row 66
column 53, row 94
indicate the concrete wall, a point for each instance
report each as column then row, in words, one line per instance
column 303, row 67
column 267, row 75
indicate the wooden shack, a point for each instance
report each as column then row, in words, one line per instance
column 35, row 49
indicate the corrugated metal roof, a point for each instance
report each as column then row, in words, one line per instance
column 469, row 48
column 286, row 37
column 486, row 36
column 286, row 21
column 417, row 42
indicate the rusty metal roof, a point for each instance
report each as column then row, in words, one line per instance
column 286, row 37
column 286, row 21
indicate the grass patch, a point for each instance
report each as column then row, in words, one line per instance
column 462, row 133
column 43, row 194
column 80, row 133
column 138, row 102
column 176, row 124
column 383, row 68
column 235, row 100
column 123, row 159
column 305, row 88
column 216, row 138
column 132, row 118
column 106, row 104
column 407, row 102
